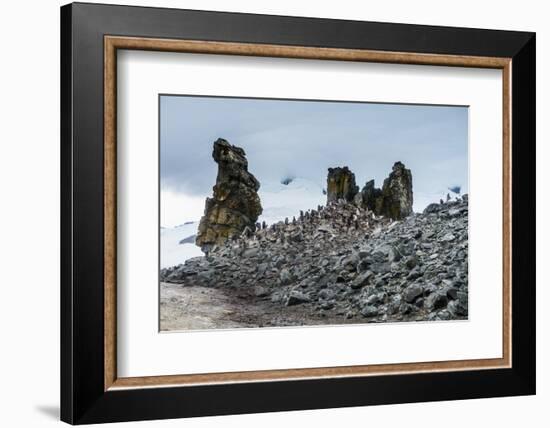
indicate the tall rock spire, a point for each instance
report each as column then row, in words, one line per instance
column 235, row 204
column 341, row 184
column 397, row 193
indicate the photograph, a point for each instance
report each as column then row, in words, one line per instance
column 283, row 212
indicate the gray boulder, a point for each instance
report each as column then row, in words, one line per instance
column 362, row 279
column 436, row 301
column 412, row 292
column 369, row 311
column 296, row 298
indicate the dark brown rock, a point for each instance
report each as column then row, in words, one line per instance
column 395, row 199
column 372, row 197
column 397, row 193
column 341, row 184
column 235, row 204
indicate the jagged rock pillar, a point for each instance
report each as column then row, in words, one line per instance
column 394, row 200
column 372, row 197
column 235, row 204
column 397, row 193
column 341, row 184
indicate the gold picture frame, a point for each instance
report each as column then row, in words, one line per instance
column 114, row 43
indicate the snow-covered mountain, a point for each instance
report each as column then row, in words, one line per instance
column 171, row 251
column 286, row 200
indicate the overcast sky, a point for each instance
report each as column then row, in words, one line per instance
column 302, row 139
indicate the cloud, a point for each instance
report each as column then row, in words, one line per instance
column 304, row 138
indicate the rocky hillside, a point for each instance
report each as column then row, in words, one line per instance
column 344, row 262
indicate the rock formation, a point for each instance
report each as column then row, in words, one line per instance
column 394, row 200
column 397, row 193
column 370, row 197
column 235, row 205
column 341, row 184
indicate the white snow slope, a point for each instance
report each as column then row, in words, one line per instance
column 171, row 251
column 280, row 200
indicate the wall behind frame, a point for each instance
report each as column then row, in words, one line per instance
column 29, row 220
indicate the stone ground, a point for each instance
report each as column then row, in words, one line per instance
column 198, row 308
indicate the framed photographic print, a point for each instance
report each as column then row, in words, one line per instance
column 265, row 213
